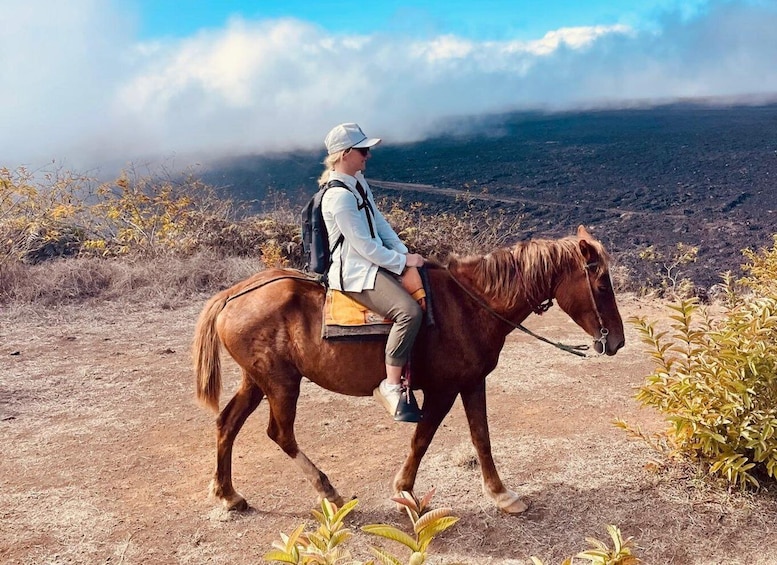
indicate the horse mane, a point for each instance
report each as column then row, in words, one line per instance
column 527, row 270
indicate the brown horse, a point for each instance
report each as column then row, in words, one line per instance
column 271, row 325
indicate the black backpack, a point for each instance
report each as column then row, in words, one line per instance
column 315, row 240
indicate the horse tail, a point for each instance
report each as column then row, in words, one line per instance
column 206, row 353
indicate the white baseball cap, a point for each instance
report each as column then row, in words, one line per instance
column 346, row 136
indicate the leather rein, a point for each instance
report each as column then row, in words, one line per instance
column 540, row 309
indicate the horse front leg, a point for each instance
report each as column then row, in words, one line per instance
column 228, row 424
column 475, row 407
column 437, row 404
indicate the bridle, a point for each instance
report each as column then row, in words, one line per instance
column 543, row 307
column 603, row 331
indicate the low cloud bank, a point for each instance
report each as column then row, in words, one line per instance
column 79, row 89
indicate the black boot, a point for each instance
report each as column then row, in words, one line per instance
column 407, row 409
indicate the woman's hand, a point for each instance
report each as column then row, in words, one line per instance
column 414, row 260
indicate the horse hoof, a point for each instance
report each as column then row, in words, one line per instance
column 510, row 503
column 230, row 502
column 235, row 503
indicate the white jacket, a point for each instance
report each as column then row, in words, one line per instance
column 355, row 263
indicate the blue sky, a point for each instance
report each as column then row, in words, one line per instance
column 88, row 82
column 482, row 19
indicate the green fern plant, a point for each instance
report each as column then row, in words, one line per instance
column 601, row 554
column 427, row 524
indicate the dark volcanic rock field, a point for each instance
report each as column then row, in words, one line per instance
column 683, row 173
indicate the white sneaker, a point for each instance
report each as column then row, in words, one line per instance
column 389, row 395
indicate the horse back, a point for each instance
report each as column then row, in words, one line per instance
column 271, row 326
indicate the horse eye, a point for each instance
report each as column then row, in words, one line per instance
column 604, row 284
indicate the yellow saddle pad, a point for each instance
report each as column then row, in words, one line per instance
column 342, row 310
column 345, row 317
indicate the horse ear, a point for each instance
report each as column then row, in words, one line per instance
column 582, row 233
column 584, row 241
column 588, row 251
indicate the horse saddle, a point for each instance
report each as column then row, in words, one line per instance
column 345, row 317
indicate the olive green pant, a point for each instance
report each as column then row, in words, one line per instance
column 392, row 301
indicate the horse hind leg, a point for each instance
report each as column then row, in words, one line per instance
column 228, row 425
column 283, row 410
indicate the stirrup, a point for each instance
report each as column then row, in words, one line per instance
column 407, row 407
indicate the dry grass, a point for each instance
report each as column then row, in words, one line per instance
column 87, row 279
column 182, row 240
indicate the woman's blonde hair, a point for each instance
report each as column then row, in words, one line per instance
column 329, row 164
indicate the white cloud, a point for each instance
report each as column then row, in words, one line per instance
column 573, row 37
column 77, row 87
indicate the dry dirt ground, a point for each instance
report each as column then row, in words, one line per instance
column 106, row 457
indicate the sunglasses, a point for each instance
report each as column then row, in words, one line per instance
column 363, row 150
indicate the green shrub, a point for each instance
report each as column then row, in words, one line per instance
column 322, row 546
column 149, row 216
column 427, row 524
column 441, row 234
column 716, row 383
column 37, row 215
column 762, row 269
column 59, row 214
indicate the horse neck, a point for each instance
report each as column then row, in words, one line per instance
column 516, row 281
column 501, row 283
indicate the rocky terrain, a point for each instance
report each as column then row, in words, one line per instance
column 683, row 173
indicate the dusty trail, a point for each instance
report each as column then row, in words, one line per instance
column 107, row 458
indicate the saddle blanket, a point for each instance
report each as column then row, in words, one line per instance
column 345, row 317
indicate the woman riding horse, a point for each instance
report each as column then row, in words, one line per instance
column 271, row 325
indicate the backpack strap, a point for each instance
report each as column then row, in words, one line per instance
column 364, row 205
column 340, row 239
column 367, row 207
